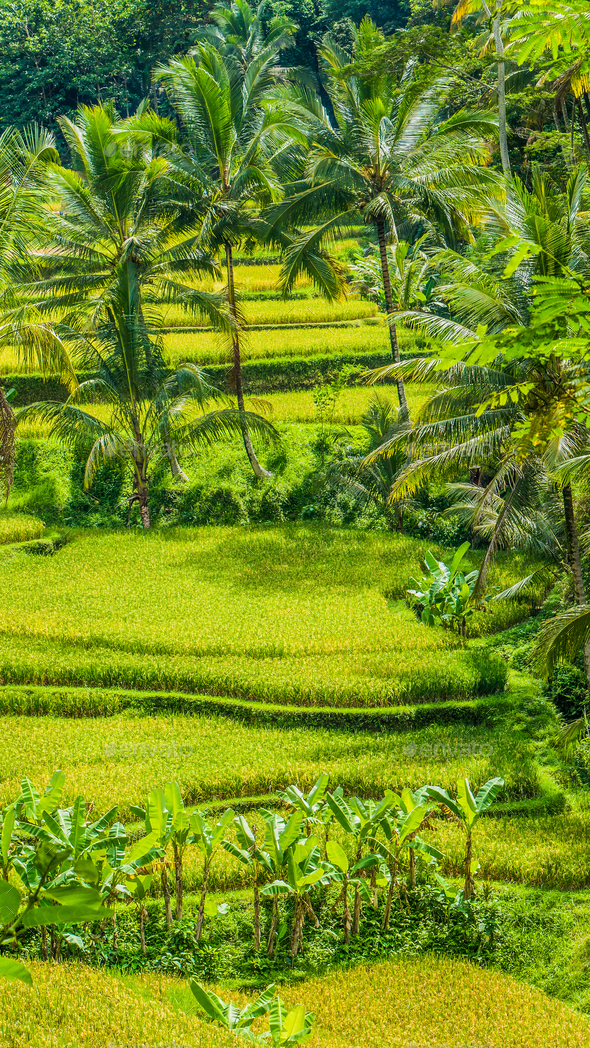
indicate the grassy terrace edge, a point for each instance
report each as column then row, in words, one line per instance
column 76, row 701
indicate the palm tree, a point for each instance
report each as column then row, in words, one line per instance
column 476, row 421
column 238, row 33
column 232, row 134
column 148, row 406
column 388, row 154
column 372, row 483
column 24, row 156
column 120, row 219
column 494, row 13
column 121, row 216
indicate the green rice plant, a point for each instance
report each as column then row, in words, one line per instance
column 206, row 347
column 123, row 757
column 352, row 403
column 296, row 615
column 283, row 311
column 18, row 527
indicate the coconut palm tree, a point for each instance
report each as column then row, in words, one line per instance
column 120, row 214
column 24, row 156
column 494, row 14
column 511, row 414
column 386, row 153
column 232, row 133
column 148, row 407
column 120, row 217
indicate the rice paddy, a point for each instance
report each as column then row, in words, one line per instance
column 282, row 311
column 207, row 347
column 291, row 615
column 119, row 759
column 414, row 1001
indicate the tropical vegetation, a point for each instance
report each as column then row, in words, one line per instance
column 294, row 534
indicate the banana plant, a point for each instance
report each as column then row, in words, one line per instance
column 45, row 902
column 280, row 837
column 227, row 1014
column 468, row 809
column 138, row 886
column 444, row 596
column 400, row 829
column 9, row 841
column 167, row 823
column 310, row 806
column 361, row 820
column 30, row 806
column 304, row 869
column 249, row 854
column 352, row 879
column 285, row 1027
column 209, row 840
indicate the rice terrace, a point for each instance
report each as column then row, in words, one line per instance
column 295, row 524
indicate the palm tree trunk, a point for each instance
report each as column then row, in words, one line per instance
column 502, row 127
column 584, row 126
column 401, row 389
column 259, row 470
column 480, row 585
column 573, row 549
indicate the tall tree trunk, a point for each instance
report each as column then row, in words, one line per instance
column 480, row 585
column 175, row 467
column 502, row 126
column 401, row 389
column 573, row 549
column 584, row 124
column 144, row 510
column 259, row 470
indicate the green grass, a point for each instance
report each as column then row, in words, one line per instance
column 302, row 615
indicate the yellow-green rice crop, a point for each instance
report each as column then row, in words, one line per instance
column 119, row 759
column 287, row 614
column 74, row 1006
column 283, row 311
column 352, row 403
column 412, row 1002
column 206, row 347
column 18, row 527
